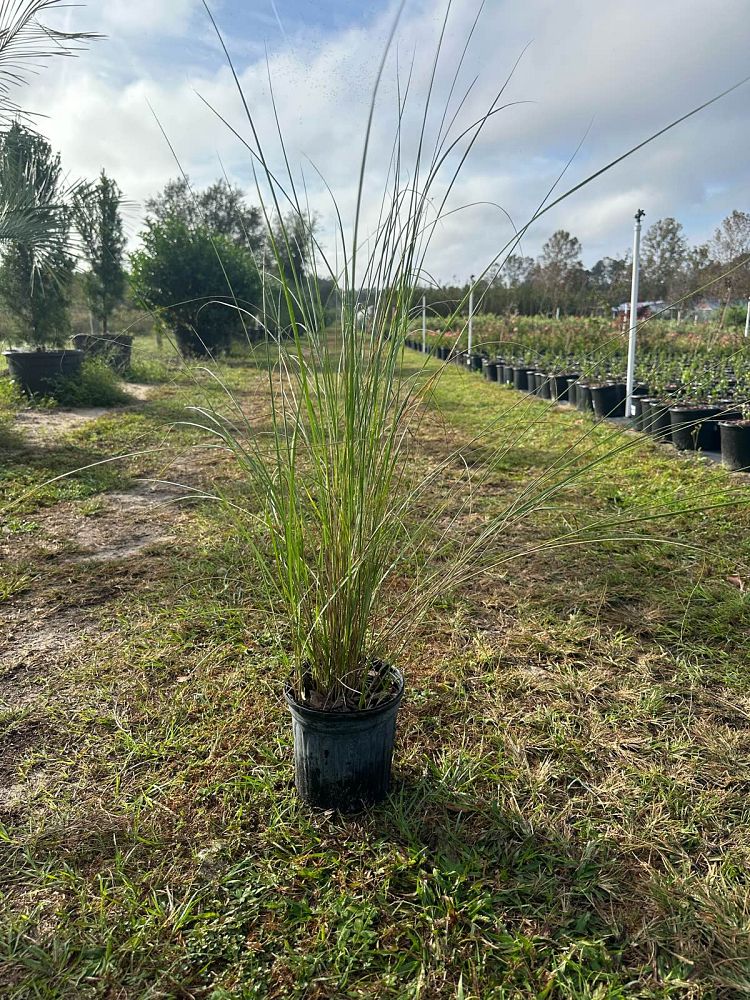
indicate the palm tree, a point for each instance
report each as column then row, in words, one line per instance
column 33, row 210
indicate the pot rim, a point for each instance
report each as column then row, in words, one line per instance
column 15, row 352
column 322, row 715
column 692, row 407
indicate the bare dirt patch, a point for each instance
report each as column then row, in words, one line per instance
column 44, row 424
column 41, row 425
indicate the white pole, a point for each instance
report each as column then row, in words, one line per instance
column 747, row 320
column 633, row 313
column 424, row 324
column 471, row 318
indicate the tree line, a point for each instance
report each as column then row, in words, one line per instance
column 671, row 270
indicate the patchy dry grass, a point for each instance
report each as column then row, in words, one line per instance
column 570, row 812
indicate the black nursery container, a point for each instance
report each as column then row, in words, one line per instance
column 475, row 362
column 490, row 370
column 583, row 398
column 520, row 378
column 35, row 372
column 735, row 444
column 608, row 400
column 559, row 386
column 638, row 414
column 342, row 760
column 696, row 428
column 658, row 422
column 114, row 348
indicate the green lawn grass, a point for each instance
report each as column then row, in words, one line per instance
column 569, row 817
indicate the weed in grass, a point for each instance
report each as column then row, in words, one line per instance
column 14, row 580
column 150, row 371
column 97, row 385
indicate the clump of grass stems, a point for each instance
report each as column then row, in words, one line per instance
column 353, row 541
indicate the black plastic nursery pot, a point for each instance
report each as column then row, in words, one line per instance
column 342, row 760
column 638, row 413
column 544, row 388
column 508, row 374
column 657, row 421
column 696, row 428
column 36, row 372
column 475, row 362
column 520, row 378
column 559, row 387
column 583, row 398
column 645, row 416
column 735, row 444
column 572, row 390
column 115, row 349
column 608, row 400
column 533, row 380
column 490, row 370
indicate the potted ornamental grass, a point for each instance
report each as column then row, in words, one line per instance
column 36, row 272
column 353, row 535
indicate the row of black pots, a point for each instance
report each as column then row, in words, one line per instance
column 689, row 427
column 698, row 427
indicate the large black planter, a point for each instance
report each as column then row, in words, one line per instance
column 36, row 372
column 192, row 346
column 735, row 444
column 608, row 400
column 475, row 362
column 115, row 349
column 342, row 760
column 544, row 388
column 508, row 374
column 490, row 370
column 573, row 390
column 696, row 428
column 520, row 378
column 533, row 378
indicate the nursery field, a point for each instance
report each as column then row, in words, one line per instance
column 570, row 816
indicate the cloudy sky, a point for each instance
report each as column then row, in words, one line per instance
column 606, row 72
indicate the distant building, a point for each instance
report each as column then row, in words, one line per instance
column 645, row 309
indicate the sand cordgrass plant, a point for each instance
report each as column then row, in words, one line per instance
column 352, row 536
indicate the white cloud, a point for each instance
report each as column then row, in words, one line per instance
column 622, row 70
column 137, row 17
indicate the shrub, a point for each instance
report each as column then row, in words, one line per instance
column 97, row 385
column 201, row 285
